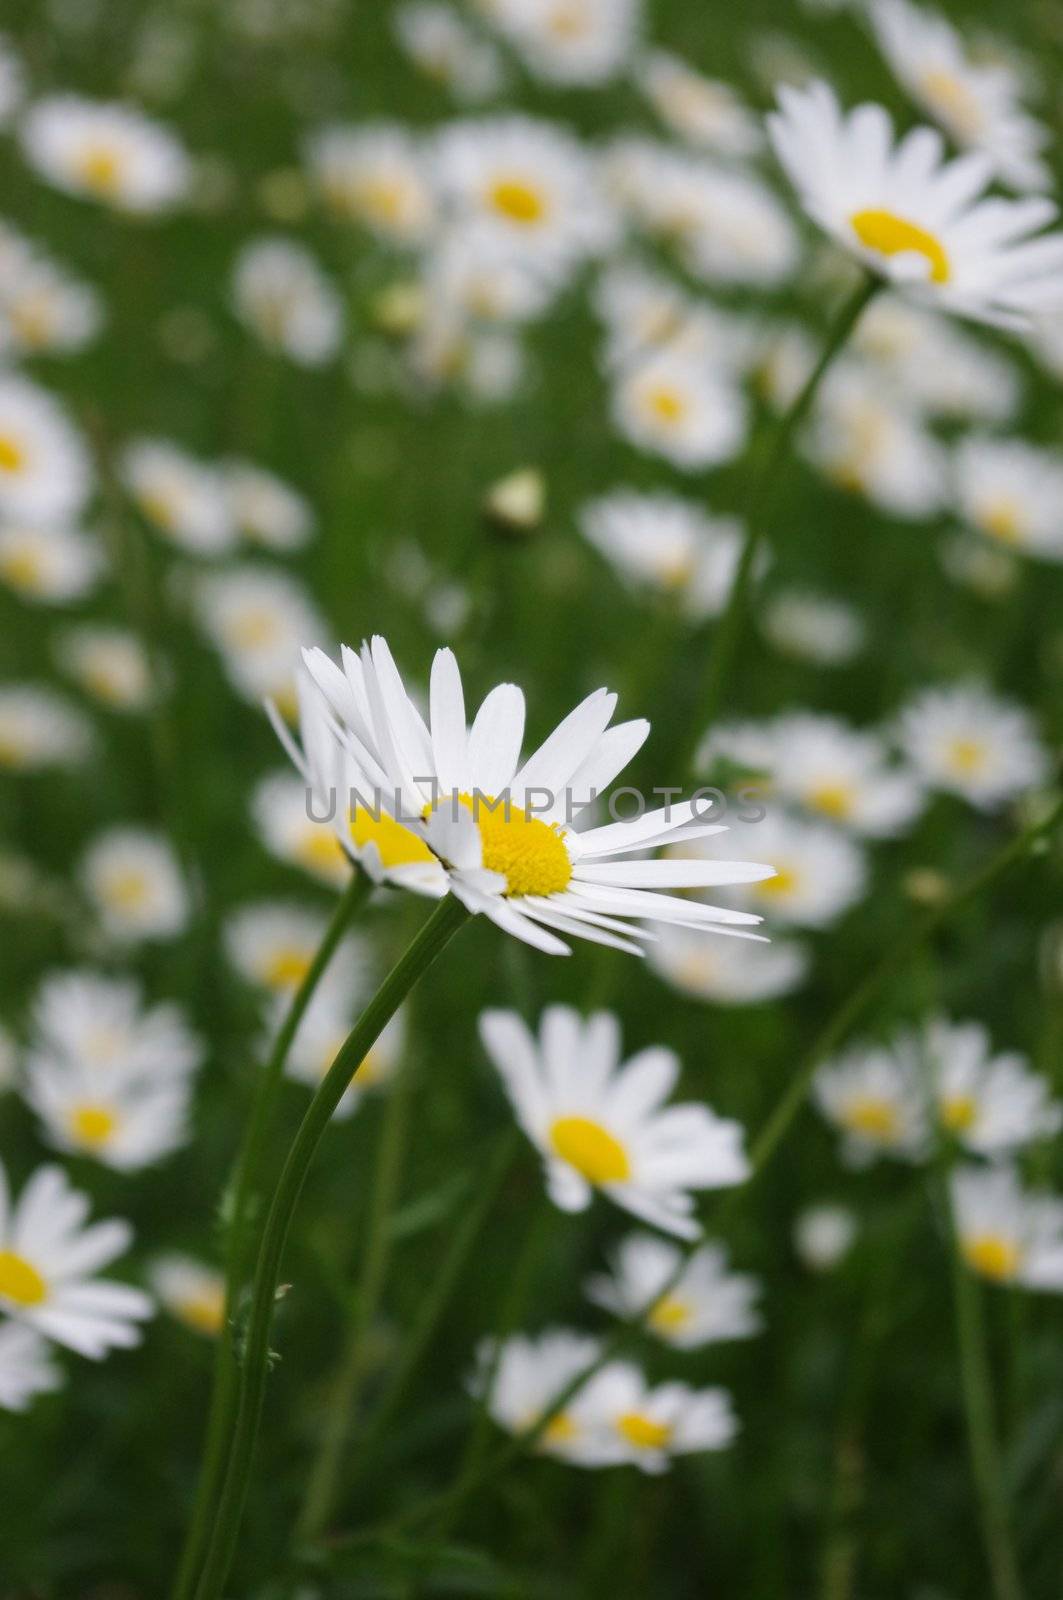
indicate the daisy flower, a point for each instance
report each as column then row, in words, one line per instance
column 134, row 883
column 874, row 1096
column 673, row 405
column 50, row 566
column 264, row 509
column 1012, row 492
column 523, row 1377
column 705, row 1302
column 600, row 1123
column 669, row 544
column 846, row 775
column 26, row 1366
column 824, row 1235
column 705, row 112
column 82, row 1019
column 119, row 1118
column 48, row 1265
column 43, row 309
column 105, row 151
column 813, row 627
column 647, row 1426
column 867, row 441
column 992, row 1104
column 108, row 664
column 819, row 873
column 935, row 365
column 725, row 973
column 181, row 497
column 259, row 618
column 38, row 729
column 287, row 828
column 328, row 1020
column 503, row 828
column 272, row 944
column 437, row 40
column 280, row 293
column 45, row 476
column 375, row 173
column 912, row 217
column 977, row 104
column 569, row 42
column 966, row 741
column 646, row 312
column 1006, row 1233
column 190, row 1291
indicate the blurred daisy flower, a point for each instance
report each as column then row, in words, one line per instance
column 134, row 883
column 49, row 566
column 328, row 1020
column 1006, row 1233
column 977, row 103
column 874, row 1096
column 668, row 544
column 438, row 41
column 48, row 1265
column 118, row 1116
column 912, row 217
column 258, row 618
column 726, row 973
column 26, row 1366
column 570, row 42
column 520, row 1379
column 280, row 808
column 674, row 406
column 272, row 944
column 867, row 441
column 109, row 664
column 39, row 729
column 992, row 1104
column 602, row 1124
column 376, row 174
column 819, row 872
column 705, row 112
column 646, row 312
column 646, row 1425
column 813, row 627
column 824, row 1235
column 84, row 1019
column 105, row 151
column 502, row 828
column 1012, row 492
column 182, row 498
column 705, row 1302
column 265, row 510
column 190, row 1291
column 43, row 309
column 281, row 294
column 966, row 741
column 935, row 365
column 45, row 474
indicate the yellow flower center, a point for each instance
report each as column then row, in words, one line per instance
column 670, row 1315
column 254, row 629
column 126, row 891
column 287, row 967
column 23, row 569
column 1003, row 519
column 381, row 200
column 93, row 1125
column 12, row 753
column 12, row 454
column 567, row 21
column 890, row 235
column 643, row 1432
column 833, row 799
column 160, row 507
column 101, row 170
column 993, row 1256
column 966, row 757
column 954, row 101
column 958, row 1112
column 784, row 883
column 559, row 1430
column 33, row 320
column 666, row 403
column 872, row 1118
column 204, row 1311
column 398, row 846
column 518, row 201
column 320, row 851
column 20, row 1282
column 591, row 1149
column 529, row 853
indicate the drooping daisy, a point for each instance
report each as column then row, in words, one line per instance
column 259, row 618
column 824, row 1235
column 819, row 873
column 704, row 1304
column 286, row 825
column 45, row 475
column 49, row 566
column 703, row 111
column 526, row 1375
column 105, row 151
column 842, row 773
column 272, row 944
column 600, row 1123
column 1006, row 1233
column 726, row 973
column 673, row 405
column 266, row 510
column 190, row 1291
column 375, row 173
column 992, row 1104
column 437, row 39
column 874, row 1096
column 935, row 365
column 669, row 544
column 966, row 741
column 38, row 729
column 282, row 295
column 133, row 880
column 977, row 103
column 82, row 1018
column 1012, row 492
column 813, row 627
column 48, row 1263
column 325, row 1025
column 26, row 1366
column 503, row 829
column 116, row 1117
column 570, row 41
column 109, row 664
column 182, row 498
column 646, row 1426
column 43, row 308
column 912, row 217
column 866, row 441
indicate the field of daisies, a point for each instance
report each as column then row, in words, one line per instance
column 531, row 649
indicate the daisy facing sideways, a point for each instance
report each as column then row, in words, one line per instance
column 875, row 1097
column 704, row 1304
column 1004, row 1232
column 911, row 216
column 190, row 1291
column 646, row 1426
column 968, row 742
column 1012, row 492
column 105, row 151
column 502, row 828
column 600, row 1123
column 48, row 1262
column 521, row 1378
column 992, row 1104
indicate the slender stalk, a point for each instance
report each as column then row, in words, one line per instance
column 242, row 1195
column 767, row 482
column 436, row 933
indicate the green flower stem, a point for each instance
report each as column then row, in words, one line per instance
column 436, row 933
column 242, row 1197
column 767, row 479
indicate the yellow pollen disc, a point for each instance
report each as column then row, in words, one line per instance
column 873, row 1118
column 890, row 235
column 568, row 21
column 591, row 1149
column 253, row 630
column 160, row 508
column 670, row 1315
column 643, row 1432
column 398, row 846
column 993, row 1256
column 33, row 320
column 205, row 1311
column 677, row 571
column 784, row 882
column 320, row 851
column 954, row 101
column 22, row 569
column 12, row 455
column 958, row 1112
column 101, row 170
column 966, row 757
column 518, row 201
column 559, row 1430
column 287, row 967
column 666, row 404
column 381, row 200
column 92, row 1125
column 529, row 853
column 126, row 890
column 11, row 753
column 20, row 1281
column 1003, row 519
column 833, row 799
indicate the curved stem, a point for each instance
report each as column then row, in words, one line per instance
column 727, row 631
column 437, row 932
column 241, row 1196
